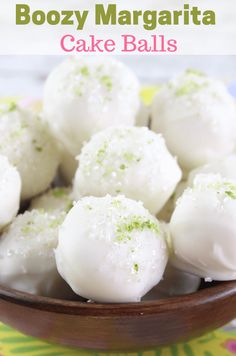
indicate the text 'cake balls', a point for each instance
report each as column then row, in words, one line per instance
column 85, row 95
column 26, row 142
column 133, row 161
column 10, row 190
column 203, row 228
column 27, row 260
column 111, row 249
column 197, row 117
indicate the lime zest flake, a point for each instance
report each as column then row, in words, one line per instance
column 189, row 87
column 135, row 223
column 101, row 153
column 230, row 190
column 196, row 72
column 8, row 107
column 59, row 192
column 116, row 203
column 37, row 147
column 56, row 223
column 85, row 71
column 131, row 157
column 123, row 167
column 106, row 81
column 227, row 188
column 136, row 267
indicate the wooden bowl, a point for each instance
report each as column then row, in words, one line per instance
column 119, row 327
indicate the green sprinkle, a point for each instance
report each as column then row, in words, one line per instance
column 58, row 192
column 24, row 125
column 116, row 203
column 230, row 190
column 84, row 71
column 101, row 153
column 136, row 267
column 28, row 228
column 12, row 106
column 37, row 147
column 54, row 224
column 118, row 191
column 5, row 108
column 196, row 72
column 57, row 222
column 135, row 222
column 227, row 188
column 123, row 166
column 107, row 82
column 130, row 157
column 189, row 87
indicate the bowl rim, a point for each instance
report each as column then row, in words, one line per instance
column 209, row 294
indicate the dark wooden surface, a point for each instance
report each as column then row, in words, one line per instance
column 110, row 327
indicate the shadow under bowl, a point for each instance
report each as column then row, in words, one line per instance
column 119, row 327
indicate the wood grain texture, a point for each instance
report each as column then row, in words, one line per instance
column 119, row 327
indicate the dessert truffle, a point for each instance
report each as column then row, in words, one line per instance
column 111, row 249
column 133, row 161
column 86, row 95
column 10, row 190
column 26, row 141
column 197, row 117
column 27, row 260
column 203, row 228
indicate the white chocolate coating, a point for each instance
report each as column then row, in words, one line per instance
column 83, row 96
column 203, row 229
column 25, row 140
column 10, row 190
column 132, row 161
column 226, row 167
column 55, row 200
column 197, row 117
column 27, row 261
column 111, row 249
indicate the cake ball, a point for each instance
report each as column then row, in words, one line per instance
column 25, row 140
column 203, row 228
column 197, row 117
column 27, row 261
column 10, row 190
column 226, row 167
column 55, row 200
column 133, row 161
column 88, row 94
column 111, row 249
